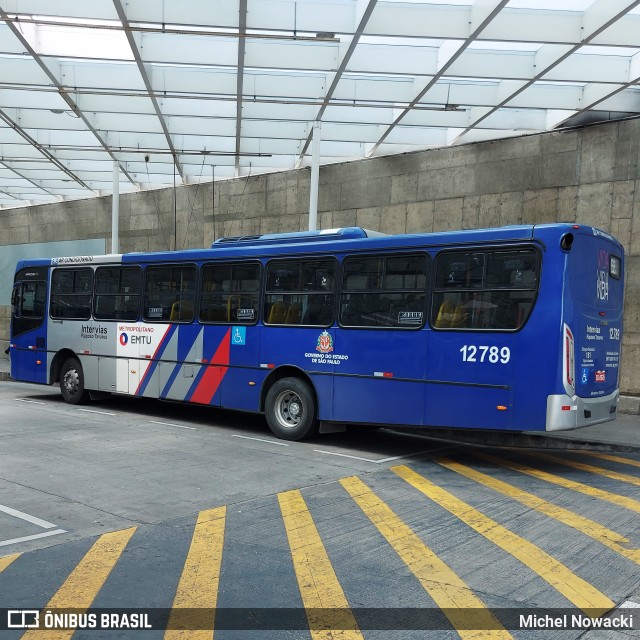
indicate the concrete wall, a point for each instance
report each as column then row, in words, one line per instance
column 590, row 175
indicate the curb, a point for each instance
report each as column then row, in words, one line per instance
column 629, row 405
column 522, row 440
column 571, row 444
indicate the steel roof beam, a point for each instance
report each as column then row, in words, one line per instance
column 594, row 102
column 366, row 15
column 145, row 78
column 34, row 143
column 61, row 90
column 541, row 94
column 487, row 12
column 596, row 20
column 6, row 193
column 392, row 20
column 242, row 30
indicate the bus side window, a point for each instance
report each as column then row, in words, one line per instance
column 71, row 291
column 230, row 293
column 300, row 292
column 445, row 314
column 499, row 298
column 384, row 291
column 169, row 293
column 118, row 293
column 28, row 300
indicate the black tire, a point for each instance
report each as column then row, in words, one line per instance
column 290, row 409
column 72, row 382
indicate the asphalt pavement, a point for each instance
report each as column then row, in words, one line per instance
column 623, row 434
column 134, row 506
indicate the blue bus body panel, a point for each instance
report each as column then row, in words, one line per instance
column 291, row 346
column 28, row 356
column 469, row 392
column 379, row 376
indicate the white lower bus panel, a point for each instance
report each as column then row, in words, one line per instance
column 572, row 412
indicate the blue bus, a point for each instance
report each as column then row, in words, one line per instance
column 516, row 328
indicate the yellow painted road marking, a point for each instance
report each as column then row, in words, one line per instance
column 194, row 604
column 317, row 581
column 608, row 456
column 7, row 560
column 593, row 529
column 83, row 584
column 614, row 475
column 592, row 492
column 458, row 602
column 578, row 591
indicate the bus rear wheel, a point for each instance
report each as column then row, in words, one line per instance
column 290, row 409
column 72, row 382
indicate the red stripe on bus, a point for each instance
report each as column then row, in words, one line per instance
column 214, row 374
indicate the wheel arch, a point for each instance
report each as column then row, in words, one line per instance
column 56, row 364
column 286, row 371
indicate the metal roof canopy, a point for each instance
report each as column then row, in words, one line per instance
column 168, row 89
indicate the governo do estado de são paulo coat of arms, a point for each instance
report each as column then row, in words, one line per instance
column 325, row 343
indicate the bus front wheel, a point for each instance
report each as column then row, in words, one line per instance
column 290, row 409
column 72, row 382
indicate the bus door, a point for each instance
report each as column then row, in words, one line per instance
column 137, row 366
column 28, row 351
column 158, row 360
column 380, row 353
column 181, row 354
column 593, row 312
column 169, row 343
column 240, row 385
column 229, row 294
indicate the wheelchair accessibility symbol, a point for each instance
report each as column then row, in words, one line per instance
column 239, row 336
column 585, row 376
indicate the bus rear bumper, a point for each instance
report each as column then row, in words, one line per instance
column 572, row 412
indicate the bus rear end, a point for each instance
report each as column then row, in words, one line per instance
column 592, row 307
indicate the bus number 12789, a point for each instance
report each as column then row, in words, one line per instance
column 484, row 353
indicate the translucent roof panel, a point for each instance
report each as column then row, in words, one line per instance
column 190, row 90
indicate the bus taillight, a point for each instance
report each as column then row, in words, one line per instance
column 569, row 360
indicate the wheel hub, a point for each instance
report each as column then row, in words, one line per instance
column 289, row 409
column 70, row 381
column 294, row 410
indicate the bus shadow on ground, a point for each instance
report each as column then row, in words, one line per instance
column 368, row 439
column 378, row 442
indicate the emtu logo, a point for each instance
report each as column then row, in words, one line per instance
column 124, row 339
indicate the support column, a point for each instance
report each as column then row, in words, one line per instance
column 115, row 209
column 315, row 177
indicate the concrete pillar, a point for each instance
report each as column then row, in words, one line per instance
column 115, row 208
column 315, row 177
